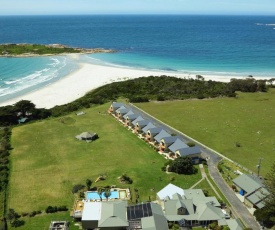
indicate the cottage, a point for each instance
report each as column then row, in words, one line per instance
column 252, row 189
column 193, row 152
column 114, row 106
column 134, row 122
column 151, row 133
column 121, row 112
column 178, row 144
column 140, row 125
column 162, row 134
column 148, row 126
column 130, row 118
column 166, row 142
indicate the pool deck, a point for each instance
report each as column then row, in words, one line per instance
column 79, row 204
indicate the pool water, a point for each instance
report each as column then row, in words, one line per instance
column 95, row 196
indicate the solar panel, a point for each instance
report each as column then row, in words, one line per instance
column 139, row 211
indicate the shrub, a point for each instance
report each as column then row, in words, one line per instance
column 77, row 187
column 191, row 144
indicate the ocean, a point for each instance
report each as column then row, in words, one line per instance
column 205, row 45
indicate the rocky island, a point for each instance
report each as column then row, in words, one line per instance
column 29, row 50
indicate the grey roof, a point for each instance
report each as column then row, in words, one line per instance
column 247, row 183
column 122, row 111
column 189, row 151
column 143, row 123
column 148, row 126
column 169, row 140
column 121, row 107
column 172, row 206
column 132, row 117
column 258, row 196
column 113, row 214
column 117, row 105
column 161, row 135
column 178, row 144
column 233, row 224
column 86, row 135
column 139, row 118
column 154, row 131
column 128, row 113
column 198, row 197
column 155, row 222
column 208, row 212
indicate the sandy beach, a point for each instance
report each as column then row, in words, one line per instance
column 87, row 78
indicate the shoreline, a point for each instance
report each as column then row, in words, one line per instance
column 91, row 76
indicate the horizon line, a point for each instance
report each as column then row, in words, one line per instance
column 139, row 14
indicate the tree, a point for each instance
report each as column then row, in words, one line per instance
column 12, row 215
column 266, row 215
column 183, row 165
column 24, row 106
column 100, row 190
column 107, row 193
column 88, row 183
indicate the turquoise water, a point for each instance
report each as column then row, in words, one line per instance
column 21, row 75
column 206, row 45
column 95, row 196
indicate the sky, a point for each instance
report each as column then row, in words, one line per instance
column 60, row 7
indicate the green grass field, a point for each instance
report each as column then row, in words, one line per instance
column 222, row 122
column 47, row 160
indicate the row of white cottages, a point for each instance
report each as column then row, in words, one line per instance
column 168, row 145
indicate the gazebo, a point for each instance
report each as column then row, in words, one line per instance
column 87, row 136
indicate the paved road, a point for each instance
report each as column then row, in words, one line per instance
column 238, row 208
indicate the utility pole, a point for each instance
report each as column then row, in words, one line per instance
column 259, row 165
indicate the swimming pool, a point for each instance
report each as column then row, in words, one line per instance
column 95, row 196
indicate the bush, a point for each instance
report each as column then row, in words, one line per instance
column 53, row 209
column 77, row 187
column 191, row 144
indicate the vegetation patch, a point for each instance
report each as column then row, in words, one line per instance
column 222, row 122
column 45, row 170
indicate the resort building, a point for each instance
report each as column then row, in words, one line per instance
column 166, row 142
column 152, row 132
column 190, row 207
column 114, row 106
column 111, row 215
column 252, row 190
column 121, row 112
column 134, row 122
column 193, row 152
column 140, row 125
column 171, row 147
column 178, row 144
column 130, row 118
column 161, row 135
column 148, row 126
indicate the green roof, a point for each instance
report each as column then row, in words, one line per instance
column 208, row 212
column 113, row 214
column 247, row 183
column 155, row 222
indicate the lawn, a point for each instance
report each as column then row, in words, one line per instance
column 221, row 123
column 46, row 161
